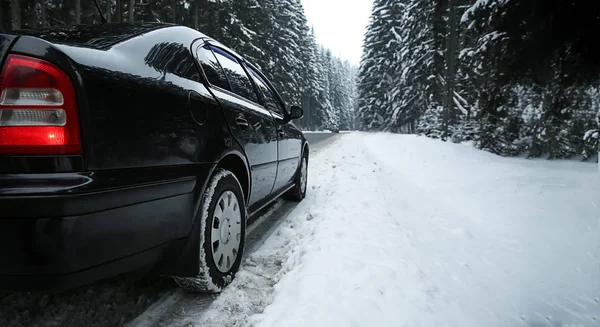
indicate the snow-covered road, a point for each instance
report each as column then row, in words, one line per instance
column 407, row 231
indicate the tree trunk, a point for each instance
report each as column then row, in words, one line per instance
column 439, row 35
column 449, row 114
column 118, row 11
column 15, row 14
column 439, row 65
column 108, row 12
column 5, row 23
column 33, row 20
column 43, row 18
column 196, row 10
column 174, row 11
column 131, row 10
column 77, row 12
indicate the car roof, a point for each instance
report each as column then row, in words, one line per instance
column 107, row 35
column 97, row 36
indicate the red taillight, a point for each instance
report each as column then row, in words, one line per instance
column 38, row 109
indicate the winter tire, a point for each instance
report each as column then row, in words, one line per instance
column 298, row 192
column 223, row 232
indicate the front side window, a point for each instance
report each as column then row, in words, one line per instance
column 240, row 82
column 272, row 103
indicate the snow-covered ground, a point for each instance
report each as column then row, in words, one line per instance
column 407, row 231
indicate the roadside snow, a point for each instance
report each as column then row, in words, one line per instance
column 407, row 231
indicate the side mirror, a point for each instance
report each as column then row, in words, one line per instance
column 296, row 112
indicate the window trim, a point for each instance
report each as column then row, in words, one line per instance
column 249, row 104
column 272, row 88
column 242, row 63
column 257, row 75
column 210, row 85
column 205, row 77
column 246, row 66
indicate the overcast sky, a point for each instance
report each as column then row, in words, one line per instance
column 339, row 25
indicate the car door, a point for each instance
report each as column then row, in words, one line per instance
column 251, row 124
column 289, row 145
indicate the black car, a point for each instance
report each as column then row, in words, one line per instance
column 127, row 147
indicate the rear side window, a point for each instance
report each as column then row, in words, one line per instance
column 271, row 101
column 240, row 82
column 212, row 69
column 173, row 58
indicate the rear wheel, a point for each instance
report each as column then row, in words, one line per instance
column 223, row 232
column 298, row 192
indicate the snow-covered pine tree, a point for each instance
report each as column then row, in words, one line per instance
column 413, row 83
column 480, row 64
column 244, row 19
column 336, row 89
column 591, row 138
column 354, row 97
column 284, row 46
column 346, row 88
column 374, row 76
column 313, row 71
column 306, row 42
column 331, row 113
column 339, row 84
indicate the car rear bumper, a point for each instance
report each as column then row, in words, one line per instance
column 66, row 230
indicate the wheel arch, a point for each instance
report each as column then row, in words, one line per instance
column 237, row 164
column 187, row 262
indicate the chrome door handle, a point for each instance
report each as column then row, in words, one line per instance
column 242, row 122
